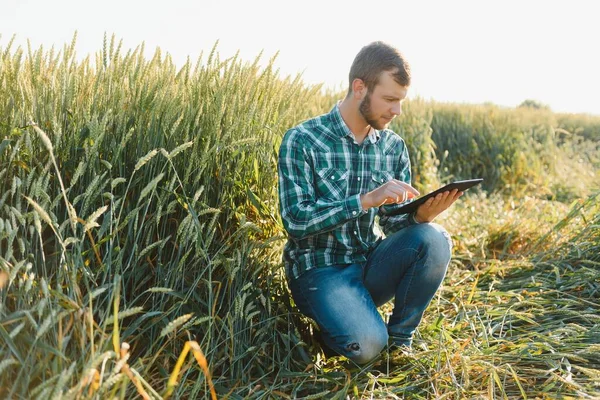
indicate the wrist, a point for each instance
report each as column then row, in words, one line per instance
column 365, row 201
column 417, row 219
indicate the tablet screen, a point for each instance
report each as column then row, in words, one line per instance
column 407, row 208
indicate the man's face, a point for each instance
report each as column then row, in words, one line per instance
column 381, row 105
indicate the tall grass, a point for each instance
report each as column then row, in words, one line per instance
column 168, row 187
column 516, row 151
column 139, row 225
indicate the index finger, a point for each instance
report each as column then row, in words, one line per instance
column 407, row 187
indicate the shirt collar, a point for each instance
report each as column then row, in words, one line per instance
column 341, row 129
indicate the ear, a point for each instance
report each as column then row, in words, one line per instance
column 359, row 89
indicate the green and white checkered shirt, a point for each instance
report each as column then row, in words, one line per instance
column 322, row 173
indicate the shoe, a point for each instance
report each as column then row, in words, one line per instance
column 400, row 350
column 400, row 340
column 393, row 356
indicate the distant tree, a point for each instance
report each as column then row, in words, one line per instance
column 529, row 103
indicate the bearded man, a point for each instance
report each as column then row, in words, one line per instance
column 337, row 172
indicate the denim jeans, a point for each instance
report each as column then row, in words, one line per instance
column 408, row 266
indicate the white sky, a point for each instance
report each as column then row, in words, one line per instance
column 461, row 51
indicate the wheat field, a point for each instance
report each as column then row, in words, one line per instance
column 140, row 242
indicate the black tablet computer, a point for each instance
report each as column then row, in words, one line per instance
column 413, row 205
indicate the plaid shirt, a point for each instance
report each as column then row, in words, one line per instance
column 322, row 173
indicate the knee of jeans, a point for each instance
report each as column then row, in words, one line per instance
column 368, row 348
column 437, row 240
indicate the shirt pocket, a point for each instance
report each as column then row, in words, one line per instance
column 378, row 178
column 332, row 183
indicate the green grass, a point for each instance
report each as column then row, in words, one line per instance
column 138, row 205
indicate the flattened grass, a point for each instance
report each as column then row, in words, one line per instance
column 138, row 220
column 523, row 325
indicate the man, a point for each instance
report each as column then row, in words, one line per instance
column 337, row 172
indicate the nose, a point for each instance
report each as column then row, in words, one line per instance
column 397, row 108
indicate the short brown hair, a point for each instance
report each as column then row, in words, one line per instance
column 375, row 58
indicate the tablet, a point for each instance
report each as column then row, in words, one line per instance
column 413, row 205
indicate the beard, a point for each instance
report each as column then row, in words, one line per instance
column 365, row 110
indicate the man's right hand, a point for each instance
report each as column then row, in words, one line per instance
column 391, row 192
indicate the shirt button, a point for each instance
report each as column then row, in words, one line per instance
column 353, row 212
column 332, row 176
column 356, row 233
column 358, row 178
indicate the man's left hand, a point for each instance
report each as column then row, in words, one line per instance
column 436, row 205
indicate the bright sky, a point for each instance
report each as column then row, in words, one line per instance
column 501, row 51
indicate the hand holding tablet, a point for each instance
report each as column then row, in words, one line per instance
column 412, row 206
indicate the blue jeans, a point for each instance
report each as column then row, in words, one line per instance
column 408, row 266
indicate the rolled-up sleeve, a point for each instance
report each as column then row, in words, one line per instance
column 302, row 213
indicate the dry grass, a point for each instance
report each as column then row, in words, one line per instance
column 138, row 222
